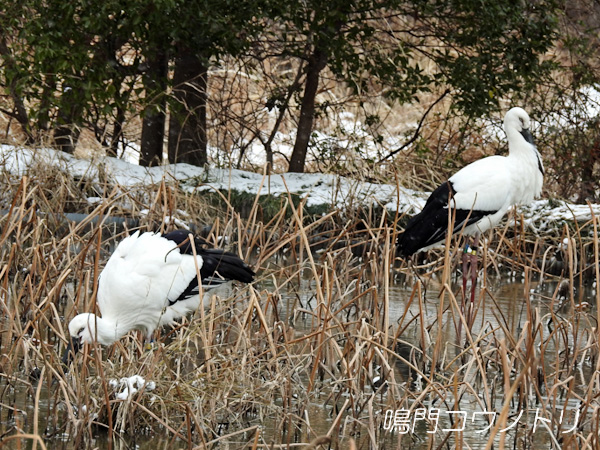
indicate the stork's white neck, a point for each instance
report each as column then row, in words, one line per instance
column 516, row 123
column 517, row 143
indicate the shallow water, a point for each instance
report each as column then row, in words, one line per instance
column 505, row 306
column 507, row 310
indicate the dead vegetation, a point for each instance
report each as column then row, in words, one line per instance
column 336, row 345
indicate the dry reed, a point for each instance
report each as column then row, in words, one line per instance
column 336, row 345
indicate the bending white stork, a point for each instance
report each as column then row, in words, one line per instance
column 481, row 193
column 150, row 281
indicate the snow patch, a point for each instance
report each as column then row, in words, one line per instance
column 130, row 385
column 316, row 188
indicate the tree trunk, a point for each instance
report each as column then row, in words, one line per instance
column 587, row 189
column 22, row 117
column 153, row 133
column 66, row 133
column 117, row 134
column 316, row 64
column 66, row 137
column 283, row 107
column 48, row 91
column 153, row 125
column 20, row 111
column 187, row 123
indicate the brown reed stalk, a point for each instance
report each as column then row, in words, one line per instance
column 276, row 351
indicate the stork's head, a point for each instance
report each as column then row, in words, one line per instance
column 517, row 119
column 83, row 328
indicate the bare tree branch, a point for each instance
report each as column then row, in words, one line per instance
column 417, row 131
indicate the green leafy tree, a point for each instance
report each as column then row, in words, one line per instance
column 69, row 65
column 81, row 64
column 569, row 105
column 481, row 49
column 193, row 36
column 205, row 31
column 64, row 60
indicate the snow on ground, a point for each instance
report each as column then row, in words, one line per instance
column 318, row 189
column 130, row 386
column 544, row 214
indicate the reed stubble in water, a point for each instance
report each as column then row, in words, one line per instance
column 318, row 350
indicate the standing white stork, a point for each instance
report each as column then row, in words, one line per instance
column 479, row 194
column 150, row 281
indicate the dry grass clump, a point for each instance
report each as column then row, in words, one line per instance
column 328, row 348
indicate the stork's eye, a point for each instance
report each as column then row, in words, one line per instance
column 80, row 331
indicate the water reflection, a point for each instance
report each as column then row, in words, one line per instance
column 423, row 337
column 506, row 308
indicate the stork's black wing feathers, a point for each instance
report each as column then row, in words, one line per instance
column 181, row 238
column 218, row 266
column 221, row 264
column 431, row 224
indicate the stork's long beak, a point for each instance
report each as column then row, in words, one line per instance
column 528, row 136
column 70, row 351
